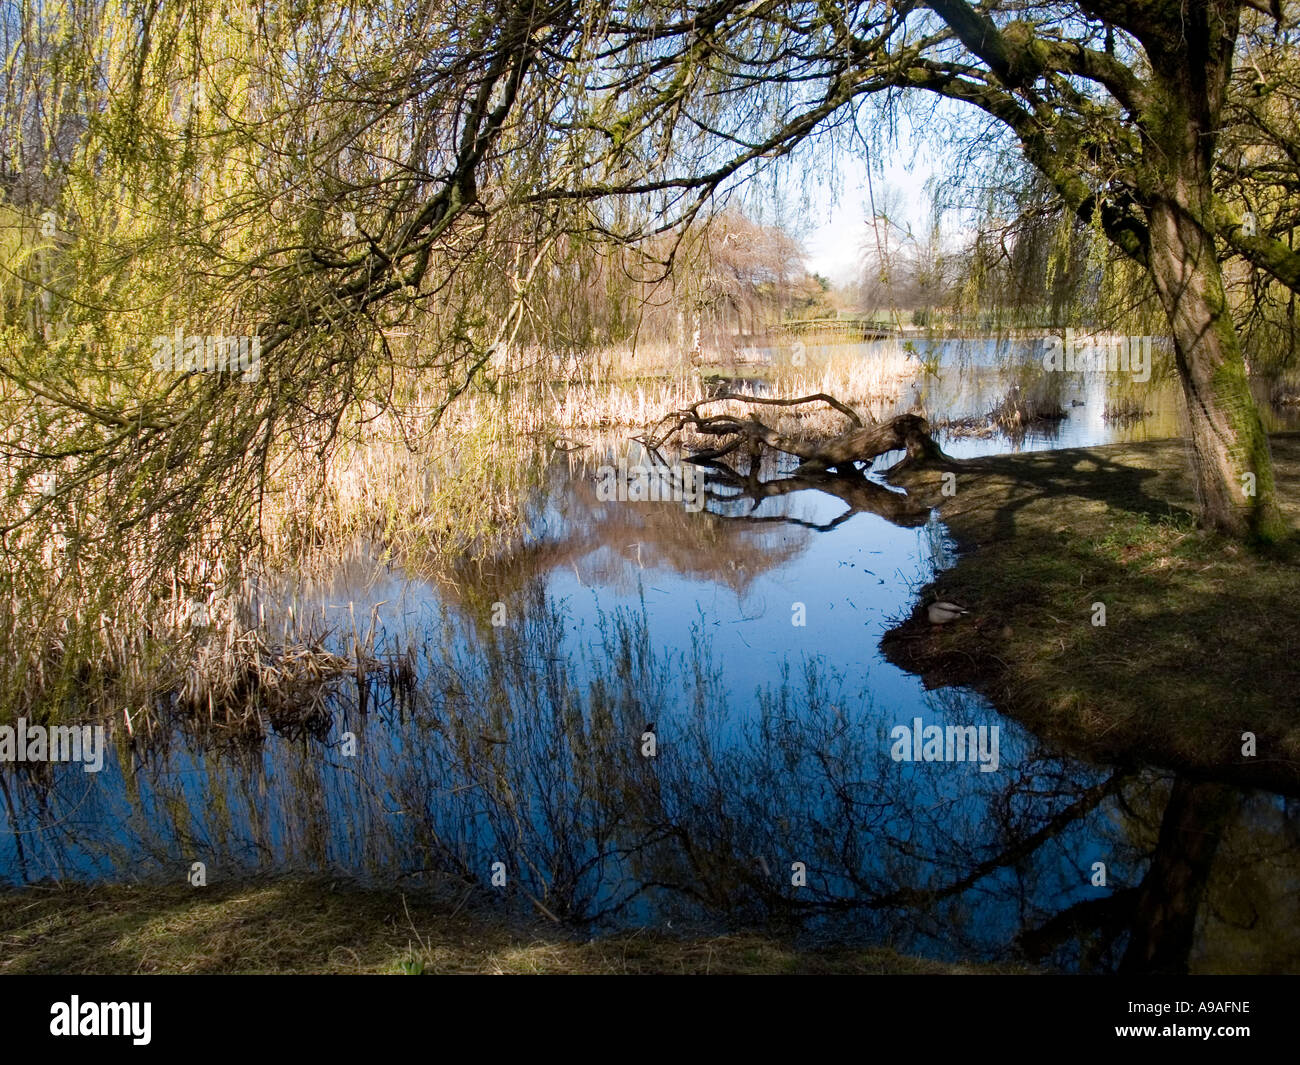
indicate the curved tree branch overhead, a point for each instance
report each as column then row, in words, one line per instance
column 322, row 177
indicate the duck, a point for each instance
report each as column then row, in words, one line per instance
column 941, row 612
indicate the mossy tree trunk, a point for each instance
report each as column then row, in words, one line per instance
column 1191, row 61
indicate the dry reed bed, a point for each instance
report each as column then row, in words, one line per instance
column 205, row 659
column 454, row 486
column 424, row 485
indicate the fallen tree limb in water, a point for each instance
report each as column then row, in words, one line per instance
column 861, row 443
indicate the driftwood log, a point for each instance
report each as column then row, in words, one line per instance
column 858, row 443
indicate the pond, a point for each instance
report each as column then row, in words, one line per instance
column 676, row 711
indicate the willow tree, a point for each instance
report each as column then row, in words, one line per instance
column 1118, row 103
column 326, row 173
column 1128, row 135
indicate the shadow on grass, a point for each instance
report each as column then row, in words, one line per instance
column 1107, row 623
column 310, row 926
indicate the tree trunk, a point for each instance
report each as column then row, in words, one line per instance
column 1232, row 464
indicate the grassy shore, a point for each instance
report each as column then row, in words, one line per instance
column 1201, row 640
column 312, row 926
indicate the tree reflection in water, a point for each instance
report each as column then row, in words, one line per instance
column 511, row 748
column 523, row 745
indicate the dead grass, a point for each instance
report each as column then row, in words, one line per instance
column 311, row 926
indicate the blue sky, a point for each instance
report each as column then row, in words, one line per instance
column 832, row 206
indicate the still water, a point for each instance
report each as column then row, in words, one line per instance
column 741, row 640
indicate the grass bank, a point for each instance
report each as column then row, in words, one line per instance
column 313, row 926
column 1201, row 640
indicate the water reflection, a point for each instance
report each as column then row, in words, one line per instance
column 511, row 751
column 514, row 733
